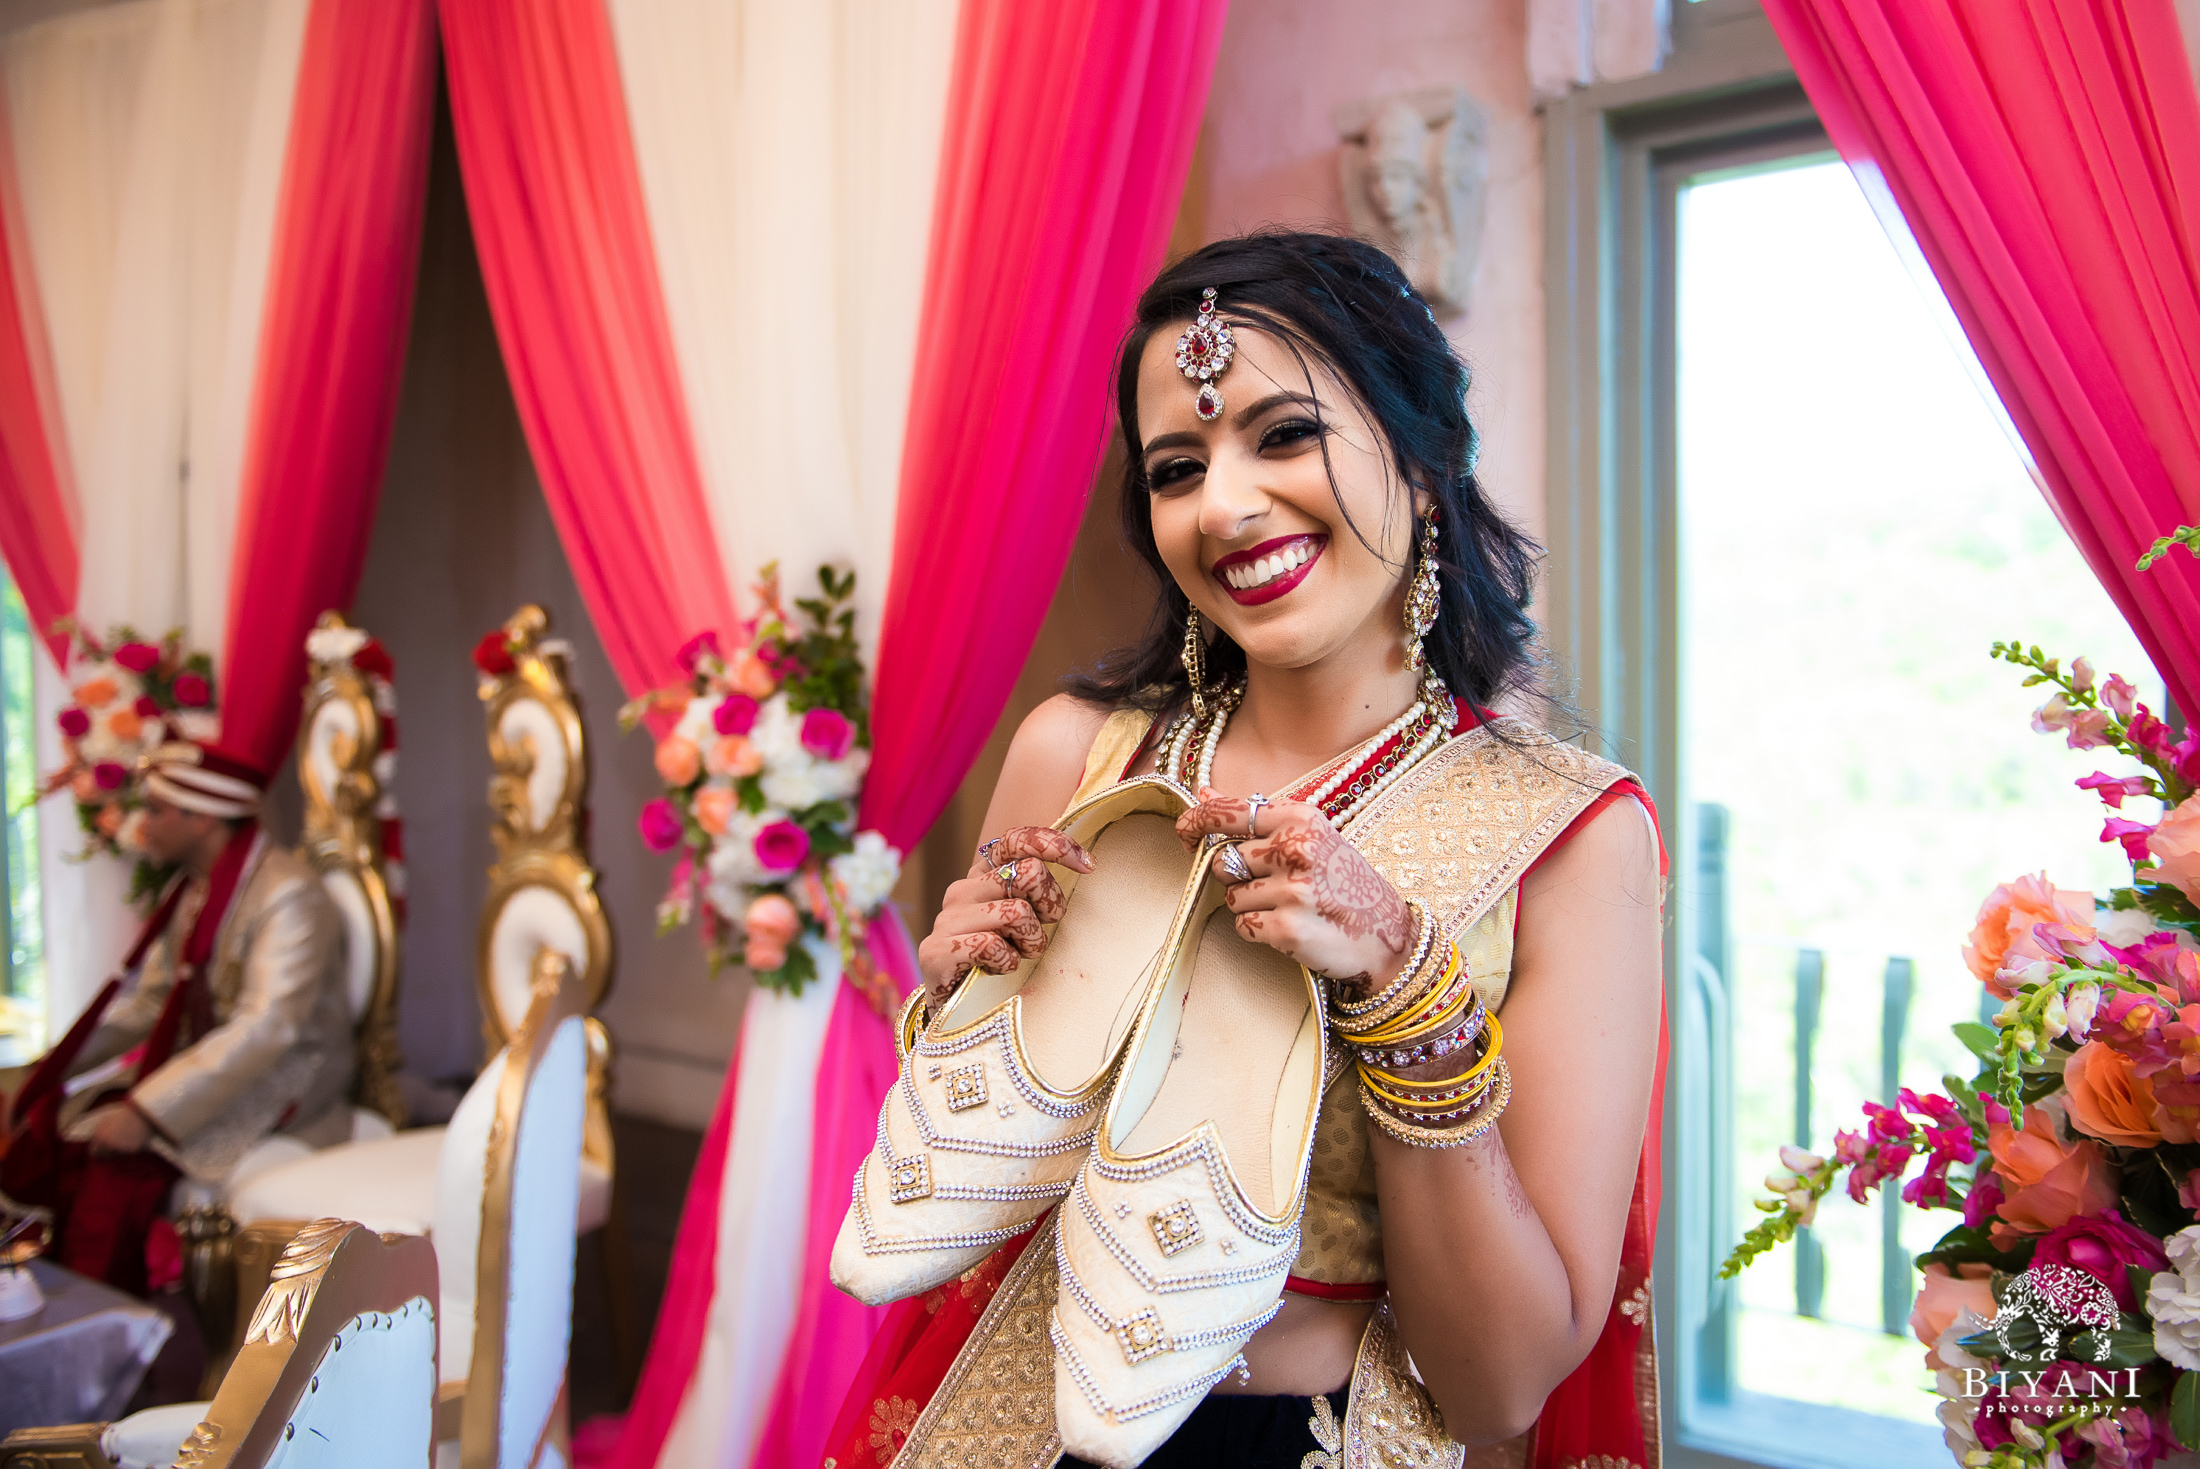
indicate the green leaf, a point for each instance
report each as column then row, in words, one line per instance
column 2184, row 1410
column 1966, row 1245
column 2131, row 1344
column 1982, row 1041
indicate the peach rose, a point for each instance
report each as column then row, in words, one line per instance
column 1943, row 1296
column 94, row 692
column 772, row 918
column 84, row 786
column 748, row 675
column 733, row 756
column 678, row 761
column 714, row 807
column 2107, row 1101
column 109, row 820
column 124, row 724
column 2176, row 847
column 2049, row 1182
column 2003, row 934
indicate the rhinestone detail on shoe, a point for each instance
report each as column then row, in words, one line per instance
column 1175, row 1228
column 965, row 1088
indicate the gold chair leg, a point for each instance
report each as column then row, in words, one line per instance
column 209, row 1238
column 71, row 1446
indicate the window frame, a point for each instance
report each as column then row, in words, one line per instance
column 1616, row 156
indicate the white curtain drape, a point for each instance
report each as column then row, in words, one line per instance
column 787, row 156
column 149, row 140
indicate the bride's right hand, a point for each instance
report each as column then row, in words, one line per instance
column 986, row 923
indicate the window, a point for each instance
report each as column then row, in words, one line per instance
column 1784, row 528
column 22, row 937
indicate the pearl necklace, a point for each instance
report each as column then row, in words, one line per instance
column 1355, row 780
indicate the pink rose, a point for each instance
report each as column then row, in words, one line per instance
column 714, row 808
column 733, row 756
column 695, row 650
column 146, row 707
column 2102, row 1245
column 781, row 846
column 735, row 715
column 660, row 825
column 138, row 657
column 678, row 761
column 827, row 734
column 74, row 722
column 2176, row 847
column 192, row 691
column 110, row 776
column 762, row 957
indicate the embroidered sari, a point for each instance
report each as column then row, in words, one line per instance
column 964, row 1375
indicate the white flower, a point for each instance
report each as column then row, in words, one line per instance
column 695, row 726
column 2080, row 1002
column 733, row 865
column 2123, row 929
column 793, row 783
column 2173, row 1300
column 334, row 644
column 778, row 732
column 869, row 872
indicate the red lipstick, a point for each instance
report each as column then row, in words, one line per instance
column 1274, row 566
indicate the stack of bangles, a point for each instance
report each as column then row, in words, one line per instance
column 1429, row 1013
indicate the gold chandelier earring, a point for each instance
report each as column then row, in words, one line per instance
column 1195, row 663
column 1422, row 598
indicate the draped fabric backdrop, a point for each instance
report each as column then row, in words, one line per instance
column 212, row 215
column 828, row 283
column 2045, row 155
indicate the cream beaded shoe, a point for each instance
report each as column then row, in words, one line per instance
column 1180, row 1231
column 998, row 1098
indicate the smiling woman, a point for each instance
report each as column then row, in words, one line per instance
column 1267, row 1182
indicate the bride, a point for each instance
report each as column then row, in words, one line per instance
column 1334, row 675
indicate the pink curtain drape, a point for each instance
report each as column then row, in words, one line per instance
column 2045, row 155
column 548, row 161
column 1069, row 131
column 37, row 528
column 331, row 349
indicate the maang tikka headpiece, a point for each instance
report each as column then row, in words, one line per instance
column 1203, row 352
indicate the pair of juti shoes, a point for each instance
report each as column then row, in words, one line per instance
column 1152, row 1066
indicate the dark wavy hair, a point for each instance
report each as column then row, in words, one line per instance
column 1346, row 304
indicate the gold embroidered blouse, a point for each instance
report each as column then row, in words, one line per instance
column 1458, row 837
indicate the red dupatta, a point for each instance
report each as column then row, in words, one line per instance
column 1605, row 1412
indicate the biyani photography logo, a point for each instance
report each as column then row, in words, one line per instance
column 2056, row 1317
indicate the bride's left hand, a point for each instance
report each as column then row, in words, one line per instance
column 1312, row 897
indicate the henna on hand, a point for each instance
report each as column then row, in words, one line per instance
column 1344, row 888
column 1042, row 842
column 1014, row 919
column 1036, row 886
column 968, row 951
column 1216, row 816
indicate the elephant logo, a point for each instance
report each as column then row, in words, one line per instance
column 2057, row 1298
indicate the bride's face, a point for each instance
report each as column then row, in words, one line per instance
column 1298, row 559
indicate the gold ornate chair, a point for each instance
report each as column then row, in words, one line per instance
column 541, row 897
column 338, row 1368
column 340, row 748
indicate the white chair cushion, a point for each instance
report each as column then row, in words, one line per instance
column 152, row 1439
column 387, row 1184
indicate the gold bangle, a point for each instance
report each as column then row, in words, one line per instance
column 1438, row 992
column 1490, row 1052
column 1445, row 1001
column 1401, row 991
column 1484, row 1118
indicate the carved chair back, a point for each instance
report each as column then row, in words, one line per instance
column 340, row 743
column 542, row 889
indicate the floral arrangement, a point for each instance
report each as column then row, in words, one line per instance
column 345, row 646
column 2073, row 1155
column 763, row 752
column 128, row 697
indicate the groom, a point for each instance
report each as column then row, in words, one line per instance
column 229, row 1022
